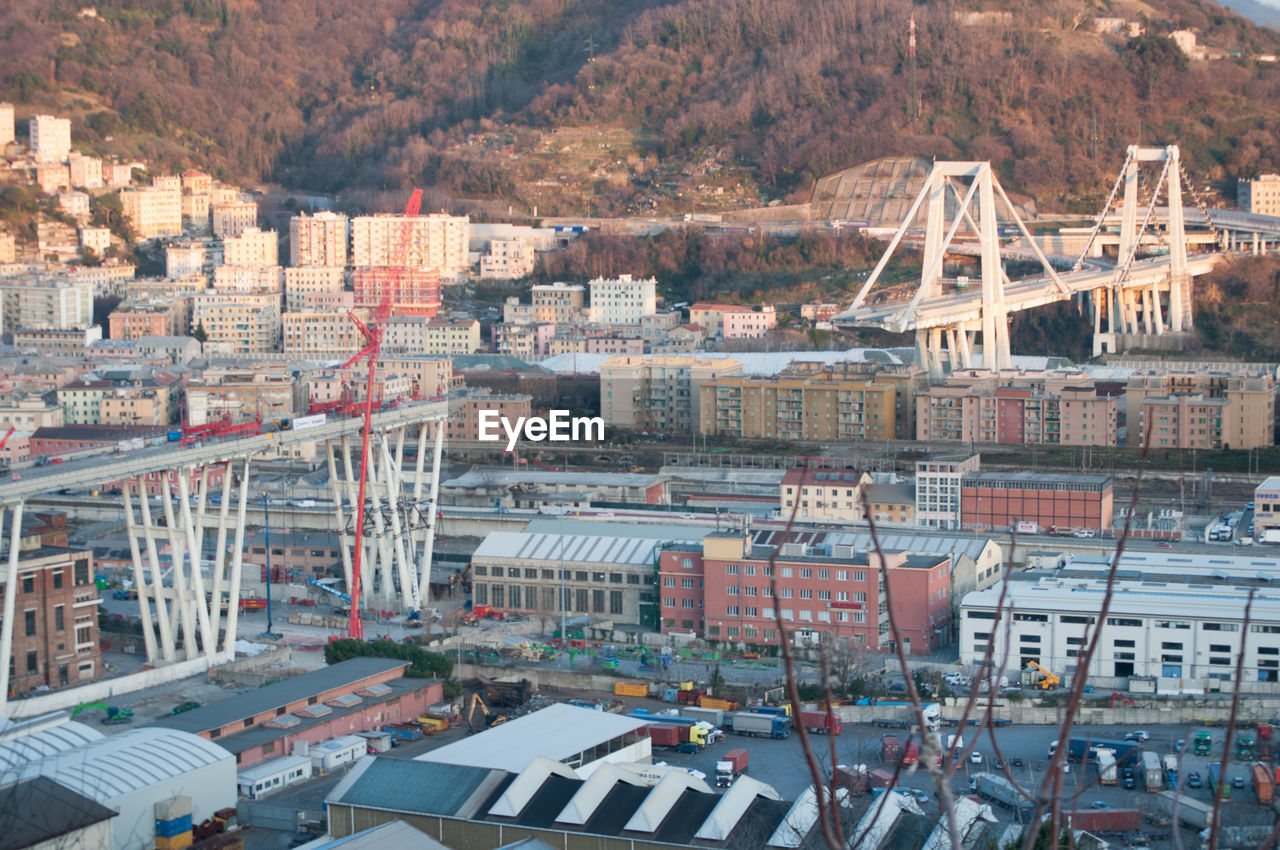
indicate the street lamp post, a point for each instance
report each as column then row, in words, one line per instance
column 266, row 521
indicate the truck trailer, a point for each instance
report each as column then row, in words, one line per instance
column 1152, row 771
column 760, row 725
column 1106, row 821
column 1190, row 811
column 821, row 722
column 1263, row 785
column 999, row 790
column 1107, row 767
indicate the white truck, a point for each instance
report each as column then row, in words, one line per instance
column 1152, row 773
column 1106, row 766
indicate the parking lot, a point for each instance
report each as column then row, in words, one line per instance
column 781, row 764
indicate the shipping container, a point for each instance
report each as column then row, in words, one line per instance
column 630, row 689
column 1106, row 821
column 1263, row 786
column 821, row 722
column 714, row 702
column 714, row 716
column 879, row 778
column 730, row 766
column 890, row 749
column 664, row 735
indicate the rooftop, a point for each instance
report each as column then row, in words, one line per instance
column 1037, row 478
column 1147, row 598
column 345, row 674
column 557, row 732
column 571, row 548
column 40, row 810
column 504, row 478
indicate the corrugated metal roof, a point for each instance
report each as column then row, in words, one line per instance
column 576, row 548
column 45, row 743
column 121, row 764
column 558, row 732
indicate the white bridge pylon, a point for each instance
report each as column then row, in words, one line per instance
column 955, row 342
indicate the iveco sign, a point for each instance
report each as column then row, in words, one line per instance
column 559, row 427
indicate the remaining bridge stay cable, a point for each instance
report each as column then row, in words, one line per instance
column 1097, row 227
column 1146, row 221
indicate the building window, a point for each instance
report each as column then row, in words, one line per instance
column 59, row 618
column 668, row 582
column 859, row 575
column 686, row 583
column 33, row 665
column 57, row 579
column 30, row 617
column 615, row 602
column 29, row 583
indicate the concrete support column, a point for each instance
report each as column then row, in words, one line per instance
column 11, row 591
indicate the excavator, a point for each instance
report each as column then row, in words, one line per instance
column 1048, row 681
column 490, row 719
column 1122, row 698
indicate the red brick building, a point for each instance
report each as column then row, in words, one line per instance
column 357, row 695
column 724, row 589
column 55, row 629
column 1062, row 502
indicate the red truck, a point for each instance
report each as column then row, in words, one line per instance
column 730, row 767
column 821, row 722
column 689, row 697
column 890, row 749
column 912, row 755
column 1263, row 751
column 1106, row 821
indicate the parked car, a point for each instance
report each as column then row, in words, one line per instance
column 975, row 758
column 921, row 796
column 1179, row 745
column 1193, row 780
column 1017, row 762
column 1098, row 804
column 1237, row 782
column 1084, row 532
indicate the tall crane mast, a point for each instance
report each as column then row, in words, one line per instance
column 372, row 334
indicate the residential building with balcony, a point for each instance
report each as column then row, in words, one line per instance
column 138, row 318
column 1202, row 410
column 418, row 335
column 241, row 391
column 434, row 242
column 56, row 342
column 230, row 218
column 331, row 334
column 1259, row 195
column 152, row 211
column 239, row 323
column 799, row 408
column 299, row 281
column 622, row 300
column 938, row 486
column 507, row 259
column 411, row 291
column 86, row 171
column 183, row 258
column 49, row 138
column 318, row 240
column 658, row 393
column 249, row 279
column 466, row 406
column 252, row 247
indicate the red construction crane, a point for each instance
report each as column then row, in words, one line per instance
column 6, row 437
column 372, row 333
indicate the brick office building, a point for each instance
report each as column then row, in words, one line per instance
column 1061, row 502
column 722, row 589
column 55, row 630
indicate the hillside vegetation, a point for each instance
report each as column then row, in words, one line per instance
column 596, row 106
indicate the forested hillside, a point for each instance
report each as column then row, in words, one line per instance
column 701, row 103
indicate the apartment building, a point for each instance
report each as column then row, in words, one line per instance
column 112, row 396
column 195, row 211
column 575, row 341
column 798, row 408
column 622, row 300
column 723, row 589
column 230, row 218
column 435, row 242
column 152, row 211
column 57, row 342
column 96, row 240
column 412, row 291
column 239, row 322
column 327, row 302
column 1259, row 195
column 657, row 327
column 86, row 171
column 55, row 237
column 138, row 318
column 416, row 335
column 728, row 321
column 318, row 240
column 7, row 127
column 241, row 391
column 52, row 177
column 301, row 281
column 75, row 204
column 431, row 376
column 938, row 480
column 524, row 341
column 352, row 385
column 507, row 259
column 32, row 303
column 998, row 500
column 1152, row 630
column 8, row 248
column 196, row 182
column 50, row 138
column 251, row 247
column 29, row 412
column 55, row 630
column 249, row 279
column 323, row 334
column 559, row 303
column 183, row 258
column 658, row 393
column 823, row 495
column 117, row 175
column 1202, row 410
column 466, row 406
